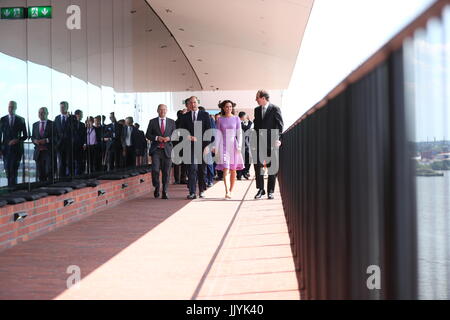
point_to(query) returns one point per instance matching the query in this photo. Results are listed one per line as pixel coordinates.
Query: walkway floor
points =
(156, 249)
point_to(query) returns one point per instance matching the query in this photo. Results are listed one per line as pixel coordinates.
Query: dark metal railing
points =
(348, 184)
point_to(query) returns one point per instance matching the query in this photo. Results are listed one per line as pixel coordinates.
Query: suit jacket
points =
(272, 120)
(246, 127)
(188, 124)
(114, 132)
(79, 134)
(17, 131)
(134, 136)
(154, 130)
(63, 137)
(36, 135)
(142, 142)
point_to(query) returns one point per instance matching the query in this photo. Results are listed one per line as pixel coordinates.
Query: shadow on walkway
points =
(38, 269)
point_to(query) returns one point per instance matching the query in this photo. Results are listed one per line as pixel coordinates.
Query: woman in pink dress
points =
(228, 145)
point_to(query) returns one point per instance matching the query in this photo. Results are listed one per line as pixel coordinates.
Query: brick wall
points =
(49, 213)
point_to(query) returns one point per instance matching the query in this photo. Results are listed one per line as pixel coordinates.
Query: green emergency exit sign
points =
(13, 13)
(39, 12)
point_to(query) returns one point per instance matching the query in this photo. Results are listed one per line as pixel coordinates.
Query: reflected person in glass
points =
(42, 138)
(13, 133)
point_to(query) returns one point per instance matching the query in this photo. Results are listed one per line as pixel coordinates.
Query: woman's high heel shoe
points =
(227, 196)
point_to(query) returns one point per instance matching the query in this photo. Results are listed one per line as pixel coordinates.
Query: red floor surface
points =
(161, 249)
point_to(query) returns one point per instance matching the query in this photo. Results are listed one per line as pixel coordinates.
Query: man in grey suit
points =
(42, 137)
(159, 131)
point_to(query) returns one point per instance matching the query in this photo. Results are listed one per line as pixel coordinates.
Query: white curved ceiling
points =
(237, 44)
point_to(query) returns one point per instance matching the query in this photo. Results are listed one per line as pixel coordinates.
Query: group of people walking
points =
(227, 146)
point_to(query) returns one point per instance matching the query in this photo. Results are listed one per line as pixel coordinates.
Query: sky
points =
(342, 34)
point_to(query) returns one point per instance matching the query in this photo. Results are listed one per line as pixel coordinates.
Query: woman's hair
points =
(222, 105)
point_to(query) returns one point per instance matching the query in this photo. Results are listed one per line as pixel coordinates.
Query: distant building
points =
(426, 155)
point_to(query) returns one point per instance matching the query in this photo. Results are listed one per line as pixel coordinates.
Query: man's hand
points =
(193, 139)
(124, 152)
(278, 143)
(166, 139)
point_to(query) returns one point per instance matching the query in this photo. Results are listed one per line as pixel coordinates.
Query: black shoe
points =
(156, 193)
(247, 176)
(192, 196)
(270, 196)
(260, 193)
(176, 182)
(201, 195)
(164, 195)
(239, 178)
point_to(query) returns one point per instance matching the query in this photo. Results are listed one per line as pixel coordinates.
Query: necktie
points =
(63, 120)
(162, 126)
(41, 129)
(161, 145)
(193, 117)
(11, 121)
(263, 112)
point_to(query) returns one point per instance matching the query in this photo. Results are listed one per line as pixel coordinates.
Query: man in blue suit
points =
(196, 171)
(13, 132)
(63, 126)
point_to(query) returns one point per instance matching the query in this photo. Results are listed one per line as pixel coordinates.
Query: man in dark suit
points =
(130, 140)
(113, 139)
(63, 127)
(159, 132)
(13, 133)
(99, 134)
(79, 140)
(42, 138)
(196, 170)
(246, 125)
(267, 120)
(179, 170)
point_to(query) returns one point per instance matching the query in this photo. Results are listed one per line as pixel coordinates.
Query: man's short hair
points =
(78, 111)
(201, 108)
(241, 114)
(160, 105)
(263, 94)
(130, 119)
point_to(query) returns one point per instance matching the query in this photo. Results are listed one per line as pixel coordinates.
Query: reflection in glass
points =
(12, 88)
(427, 85)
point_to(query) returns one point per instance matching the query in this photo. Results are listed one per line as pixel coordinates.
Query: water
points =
(433, 221)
